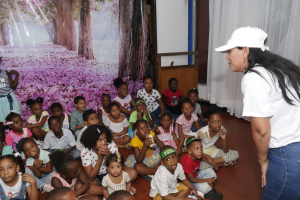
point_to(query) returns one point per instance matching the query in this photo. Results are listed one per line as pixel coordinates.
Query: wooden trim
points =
(179, 53)
(177, 67)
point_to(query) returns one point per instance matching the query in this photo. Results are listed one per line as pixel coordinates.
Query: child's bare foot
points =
(124, 146)
(132, 190)
(229, 164)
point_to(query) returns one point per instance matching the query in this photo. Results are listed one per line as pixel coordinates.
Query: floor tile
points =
(226, 194)
(256, 194)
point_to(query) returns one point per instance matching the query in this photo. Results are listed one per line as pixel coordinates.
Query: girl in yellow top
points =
(145, 159)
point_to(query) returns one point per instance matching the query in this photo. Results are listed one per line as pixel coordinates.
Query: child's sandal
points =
(132, 190)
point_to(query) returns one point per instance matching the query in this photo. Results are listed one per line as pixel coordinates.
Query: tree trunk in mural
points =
(59, 22)
(85, 33)
(133, 55)
(54, 31)
(3, 40)
(71, 43)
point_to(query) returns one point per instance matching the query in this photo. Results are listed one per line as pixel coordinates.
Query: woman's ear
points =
(246, 51)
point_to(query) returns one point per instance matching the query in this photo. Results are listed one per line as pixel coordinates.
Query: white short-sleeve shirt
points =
(89, 157)
(164, 182)
(263, 98)
(65, 142)
(150, 99)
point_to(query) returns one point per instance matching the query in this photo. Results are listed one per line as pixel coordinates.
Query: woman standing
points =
(271, 89)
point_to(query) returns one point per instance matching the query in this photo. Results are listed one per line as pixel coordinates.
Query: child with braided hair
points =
(116, 179)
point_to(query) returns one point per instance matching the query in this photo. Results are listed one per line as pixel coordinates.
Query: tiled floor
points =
(242, 181)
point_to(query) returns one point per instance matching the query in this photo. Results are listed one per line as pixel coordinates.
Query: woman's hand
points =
(28, 178)
(264, 168)
(222, 134)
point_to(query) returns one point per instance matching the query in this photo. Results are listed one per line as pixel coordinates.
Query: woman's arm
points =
(85, 183)
(161, 104)
(100, 116)
(261, 133)
(40, 124)
(13, 83)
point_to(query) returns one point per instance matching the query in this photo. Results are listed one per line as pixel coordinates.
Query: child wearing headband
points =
(164, 183)
(116, 179)
(140, 113)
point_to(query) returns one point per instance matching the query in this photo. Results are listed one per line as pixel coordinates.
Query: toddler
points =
(153, 100)
(118, 124)
(123, 98)
(14, 185)
(166, 133)
(104, 111)
(38, 122)
(144, 159)
(38, 163)
(17, 131)
(184, 123)
(202, 180)
(116, 179)
(69, 174)
(60, 139)
(164, 183)
(172, 98)
(77, 122)
(57, 110)
(98, 145)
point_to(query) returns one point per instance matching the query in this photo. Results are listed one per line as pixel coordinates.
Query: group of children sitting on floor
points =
(158, 130)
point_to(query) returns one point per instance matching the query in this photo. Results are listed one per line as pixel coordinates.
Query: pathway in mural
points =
(58, 75)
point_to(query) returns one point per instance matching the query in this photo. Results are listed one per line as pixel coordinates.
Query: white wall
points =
(172, 30)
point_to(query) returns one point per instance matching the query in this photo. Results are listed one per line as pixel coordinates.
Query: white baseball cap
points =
(246, 37)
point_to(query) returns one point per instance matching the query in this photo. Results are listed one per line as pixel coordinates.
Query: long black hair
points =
(286, 72)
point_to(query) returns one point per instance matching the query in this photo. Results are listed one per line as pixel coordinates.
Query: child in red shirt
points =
(202, 180)
(172, 98)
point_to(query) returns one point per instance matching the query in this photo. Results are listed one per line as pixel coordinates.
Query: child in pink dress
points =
(185, 121)
(17, 131)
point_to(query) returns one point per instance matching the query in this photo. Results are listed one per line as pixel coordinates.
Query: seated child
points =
(57, 110)
(104, 111)
(69, 174)
(90, 118)
(16, 130)
(140, 113)
(164, 183)
(61, 193)
(116, 179)
(118, 125)
(144, 159)
(60, 139)
(153, 100)
(203, 180)
(38, 163)
(172, 98)
(184, 123)
(166, 133)
(16, 185)
(38, 122)
(98, 145)
(121, 194)
(4, 149)
(209, 136)
(123, 98)
(77, 122)
(193, 96)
